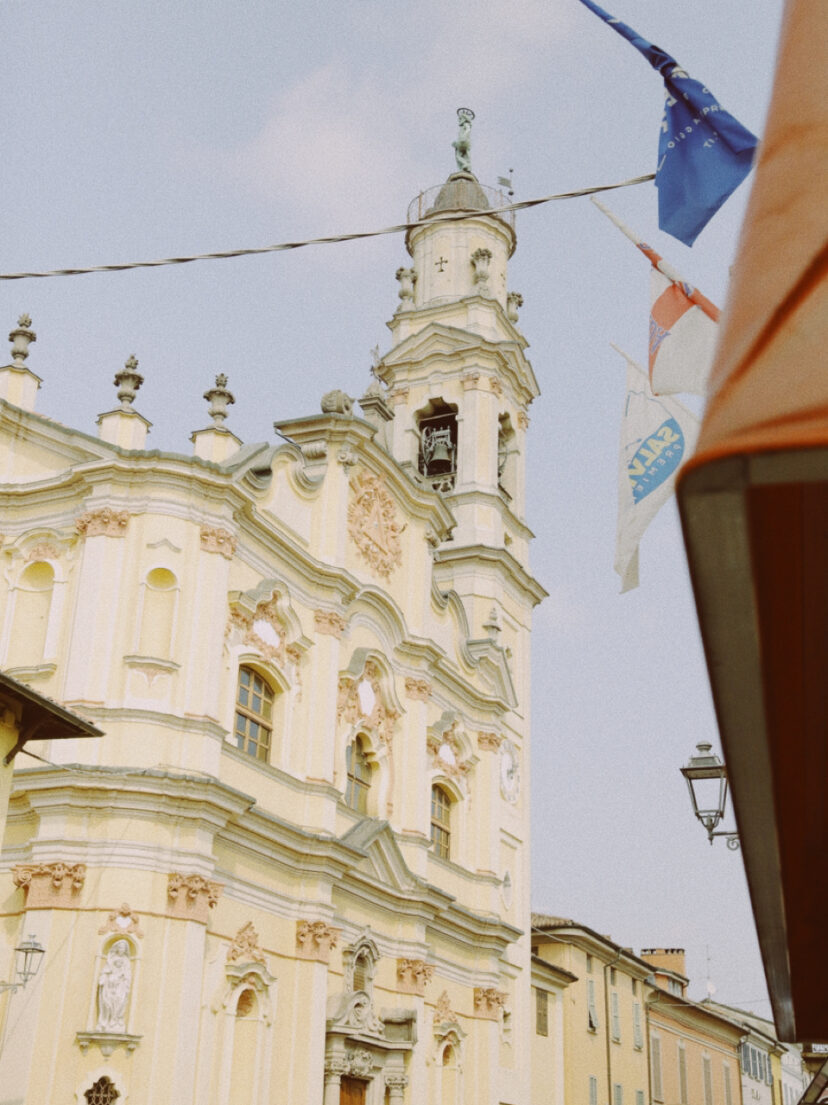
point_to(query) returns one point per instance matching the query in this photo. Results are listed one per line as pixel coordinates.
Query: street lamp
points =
(27, 958)
(706, 777)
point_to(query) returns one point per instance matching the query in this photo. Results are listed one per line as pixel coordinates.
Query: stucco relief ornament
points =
(362, 698)
(373, 524)
(215, 539)
(114, 984)
(43, 552)
(262, 630)
(361, 1062)
(443, 1012)
(245, 947)
(122, 920)
(105, 522)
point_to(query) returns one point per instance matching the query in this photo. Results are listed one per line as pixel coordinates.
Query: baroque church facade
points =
(295, 867)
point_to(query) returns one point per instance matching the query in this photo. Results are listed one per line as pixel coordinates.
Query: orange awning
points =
(754, 507)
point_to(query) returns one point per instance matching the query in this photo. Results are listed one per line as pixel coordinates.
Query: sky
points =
(141, 131)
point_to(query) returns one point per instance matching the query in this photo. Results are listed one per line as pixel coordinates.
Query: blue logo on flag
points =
(656, 459)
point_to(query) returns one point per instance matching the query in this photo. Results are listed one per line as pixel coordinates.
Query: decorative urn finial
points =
(21, 338)
(127, 381)
(219, 399)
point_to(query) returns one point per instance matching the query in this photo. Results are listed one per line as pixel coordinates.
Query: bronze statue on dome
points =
(462, 147)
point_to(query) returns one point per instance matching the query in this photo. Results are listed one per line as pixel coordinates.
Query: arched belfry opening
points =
(437, 429)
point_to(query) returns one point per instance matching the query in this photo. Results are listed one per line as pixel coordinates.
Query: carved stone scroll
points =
(50, 885)
(413, 976)
(489, 742)
(488, 1002)
(191, 897)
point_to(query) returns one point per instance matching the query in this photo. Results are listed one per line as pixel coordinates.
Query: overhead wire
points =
(222, 255)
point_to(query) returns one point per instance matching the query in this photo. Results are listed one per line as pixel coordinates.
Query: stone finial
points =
(219, 399)
(514, 301)
(492, 625)
(21, 338)
(337, 402)
(407, 279)
(481, 259)
(127, 381)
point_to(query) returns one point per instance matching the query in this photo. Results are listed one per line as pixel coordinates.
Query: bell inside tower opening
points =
(437, 461)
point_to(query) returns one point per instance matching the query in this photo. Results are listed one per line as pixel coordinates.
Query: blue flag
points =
(704, 154)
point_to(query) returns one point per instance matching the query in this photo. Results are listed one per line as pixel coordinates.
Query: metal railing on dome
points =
(421, 206)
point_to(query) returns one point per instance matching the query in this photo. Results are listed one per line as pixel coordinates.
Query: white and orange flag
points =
(684, 325)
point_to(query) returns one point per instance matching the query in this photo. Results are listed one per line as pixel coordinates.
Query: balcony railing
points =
(422, 206)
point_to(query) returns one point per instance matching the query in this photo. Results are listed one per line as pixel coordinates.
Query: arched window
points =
(359, 776)
(437, 460)
(254, 714)
(440, 822)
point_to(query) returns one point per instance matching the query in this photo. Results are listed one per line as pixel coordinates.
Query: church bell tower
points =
(456, 372)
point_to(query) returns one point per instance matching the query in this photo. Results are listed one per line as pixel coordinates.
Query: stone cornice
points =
(351, 432)
(511, 571)
(149, 790)
(504, 359)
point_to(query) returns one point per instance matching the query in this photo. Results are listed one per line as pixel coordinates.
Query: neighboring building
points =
(694, 1049)
(605, 1041)
(770, 1070)
(548, 1053)
(296, 866)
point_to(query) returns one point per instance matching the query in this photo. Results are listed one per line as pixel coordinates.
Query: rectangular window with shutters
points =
(708, 1080)
(592, 1010)
(728, 1091)
(593, 1090)
(682, 1069)
(541, 1012)
(638, 1035)
(655, 1068)
(615, 1017)
(639, 1097)
(617, 1094)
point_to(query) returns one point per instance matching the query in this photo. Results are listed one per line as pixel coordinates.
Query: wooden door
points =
(351, 1091)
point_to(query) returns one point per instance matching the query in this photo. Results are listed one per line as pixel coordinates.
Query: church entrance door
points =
(351, 1091)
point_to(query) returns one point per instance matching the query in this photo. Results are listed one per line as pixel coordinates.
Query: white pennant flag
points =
(657, 435)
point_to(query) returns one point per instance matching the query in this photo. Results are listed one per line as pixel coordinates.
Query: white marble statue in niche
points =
(114, 984)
